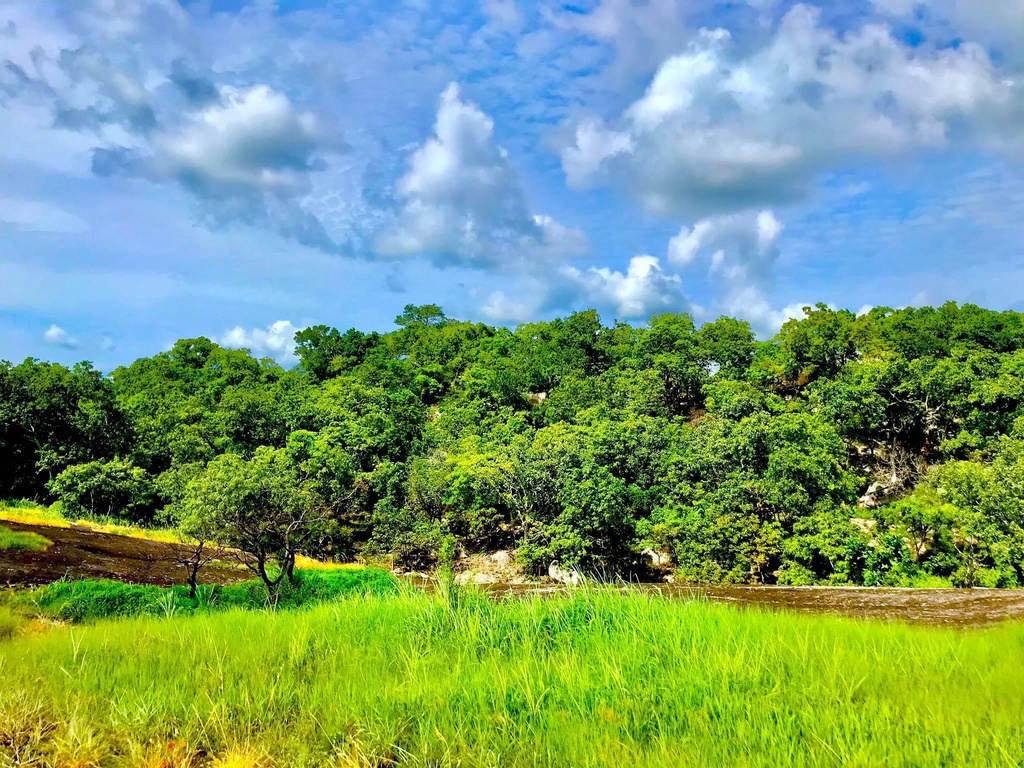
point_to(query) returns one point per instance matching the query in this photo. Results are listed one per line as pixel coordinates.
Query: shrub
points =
(115, 488)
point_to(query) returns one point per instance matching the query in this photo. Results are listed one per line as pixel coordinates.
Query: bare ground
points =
(81, 553)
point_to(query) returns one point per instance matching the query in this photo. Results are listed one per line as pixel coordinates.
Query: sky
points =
(240, 170)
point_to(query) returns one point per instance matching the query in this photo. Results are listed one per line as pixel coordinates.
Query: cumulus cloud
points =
(642, 290)
(276, 340)
(119, 74)
(252, 140)
(58, 337)
(643, 32)
(995, 22)
(462, 202)
(723, 127)
(739, 252)
(248, 156)
(740, 248)
(100, 93)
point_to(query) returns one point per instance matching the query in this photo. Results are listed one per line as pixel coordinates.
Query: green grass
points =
(593, 679)
(19, 540)
(89, 600)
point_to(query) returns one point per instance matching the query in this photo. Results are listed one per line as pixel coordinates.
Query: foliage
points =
(567, 441)
(260, 507)
(105, 488)
(90, 600)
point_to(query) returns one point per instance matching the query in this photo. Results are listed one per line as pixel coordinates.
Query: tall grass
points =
(92, 599)
(592, 679)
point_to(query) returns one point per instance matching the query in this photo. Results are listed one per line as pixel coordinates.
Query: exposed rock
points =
(865, 525)
(492, 568)
(502, 558)
(563, 576)
(877, 495)
(657, 559)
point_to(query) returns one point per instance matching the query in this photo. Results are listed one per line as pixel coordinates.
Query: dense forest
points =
(881, 449)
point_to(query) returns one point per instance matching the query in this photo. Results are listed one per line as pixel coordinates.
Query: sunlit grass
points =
(591, 679)
(22, 541)
(51, 516)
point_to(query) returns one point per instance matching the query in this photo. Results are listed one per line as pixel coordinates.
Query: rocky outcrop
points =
(562, 575)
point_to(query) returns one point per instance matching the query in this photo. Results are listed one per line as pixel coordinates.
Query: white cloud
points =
(39, 216)
(723, 127)
(594, 144)
(741, 248)
(504, 14)
(501, 308)
(996, 22)
(645, 289)
(643, 32)
(58, 337)
(749, 303)
(739, 252)
(276, 340)
(462, 201)
(253, 139)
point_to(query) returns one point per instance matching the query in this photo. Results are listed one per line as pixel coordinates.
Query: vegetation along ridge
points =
(880, 449)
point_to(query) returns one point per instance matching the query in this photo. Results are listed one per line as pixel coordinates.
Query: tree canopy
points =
(886, 448)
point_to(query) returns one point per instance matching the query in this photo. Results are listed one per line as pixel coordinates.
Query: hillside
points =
(882, 449)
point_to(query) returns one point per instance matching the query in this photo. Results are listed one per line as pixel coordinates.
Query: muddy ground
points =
(81, 553)
(964, 608)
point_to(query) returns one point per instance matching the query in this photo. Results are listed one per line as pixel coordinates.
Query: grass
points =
(454, 679)
(20, 540)
(91, 600)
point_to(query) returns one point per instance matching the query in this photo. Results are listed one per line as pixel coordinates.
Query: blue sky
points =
(240, 170)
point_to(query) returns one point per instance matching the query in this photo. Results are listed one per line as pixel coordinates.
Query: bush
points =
(115, 488)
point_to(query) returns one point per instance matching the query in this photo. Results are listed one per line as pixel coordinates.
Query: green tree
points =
(260, 507)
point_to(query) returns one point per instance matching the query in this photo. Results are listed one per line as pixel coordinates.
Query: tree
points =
(325, 352)
(260, 507)
(428, 314)
(727, 344)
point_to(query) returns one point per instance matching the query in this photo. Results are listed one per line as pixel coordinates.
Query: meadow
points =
(593, 678)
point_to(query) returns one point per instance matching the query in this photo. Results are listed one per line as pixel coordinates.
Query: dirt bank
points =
(80, 553)
(943, 607)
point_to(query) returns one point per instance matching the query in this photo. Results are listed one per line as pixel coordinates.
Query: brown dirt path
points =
(78, 552)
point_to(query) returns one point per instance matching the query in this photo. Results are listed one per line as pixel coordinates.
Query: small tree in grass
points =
(260, 507)
(197, 550)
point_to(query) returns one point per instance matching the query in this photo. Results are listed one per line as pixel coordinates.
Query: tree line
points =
(886, 448)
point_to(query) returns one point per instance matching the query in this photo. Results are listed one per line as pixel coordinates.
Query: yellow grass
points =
(51, 517)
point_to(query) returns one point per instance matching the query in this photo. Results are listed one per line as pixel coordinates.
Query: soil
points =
(79, 552)
(965, 608)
